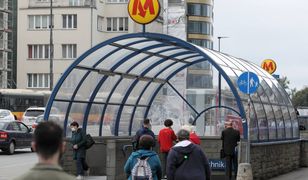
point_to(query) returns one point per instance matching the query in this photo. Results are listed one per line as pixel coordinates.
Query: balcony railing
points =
(63, 3)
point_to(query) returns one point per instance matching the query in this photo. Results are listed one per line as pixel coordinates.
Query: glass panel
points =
(287, 120)
(280, 122)
(155, 50)
(175, 51)
(144, 65)
(275, 94)
(105, 89)
(131, 62)
(97, 55)
(170, 70)
(262, 122)
(125, 120)
(212, 56)
(144, 44)
(77, 112)
(58, 110)
(136, 92)
(137, 119)
(283, 93)
(109, 120)
(158, 68)
(70, 84)
(120, 91)
(148, 93)
(94, 119)
(253, 124)
(294, 122)
(89, 84)
(271, 122)
(195, 59)
(129, 40)
(111, 60)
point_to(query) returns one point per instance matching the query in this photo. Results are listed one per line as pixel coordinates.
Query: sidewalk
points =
(299, 174)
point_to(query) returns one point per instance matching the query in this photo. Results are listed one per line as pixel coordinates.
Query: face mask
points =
(73, 129)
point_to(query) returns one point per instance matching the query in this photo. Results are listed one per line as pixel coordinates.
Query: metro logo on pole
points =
(269, 65)
(143, 11)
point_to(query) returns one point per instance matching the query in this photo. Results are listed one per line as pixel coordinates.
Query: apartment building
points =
(78, 25)
(8, 47)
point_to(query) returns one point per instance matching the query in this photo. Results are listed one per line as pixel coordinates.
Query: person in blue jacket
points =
(145, 144)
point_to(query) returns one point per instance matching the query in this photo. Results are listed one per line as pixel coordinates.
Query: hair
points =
(146, 121)
(48, 138)
(168, 123)
(146, 142)
(183, 135)
(74, 123)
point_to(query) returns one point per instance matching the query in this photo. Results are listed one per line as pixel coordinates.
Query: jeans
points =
(81, 166)
(164, 163)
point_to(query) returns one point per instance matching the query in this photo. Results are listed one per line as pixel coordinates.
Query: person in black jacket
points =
(187, 161)
(230, 137)
(145, 129)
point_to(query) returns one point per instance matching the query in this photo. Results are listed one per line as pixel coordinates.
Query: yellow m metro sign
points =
(269, 65)
(143, 11)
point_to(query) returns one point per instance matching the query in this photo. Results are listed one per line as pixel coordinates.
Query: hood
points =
(143, 153)
(184, 147)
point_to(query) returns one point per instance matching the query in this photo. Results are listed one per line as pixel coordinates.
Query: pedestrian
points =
(230, 138)
(193, 137)
(151, 167)
(166, 137)
(145, 129)
(187, 161)
(78, 140)
(49, 146)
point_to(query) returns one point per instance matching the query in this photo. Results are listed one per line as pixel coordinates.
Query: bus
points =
(18, 100)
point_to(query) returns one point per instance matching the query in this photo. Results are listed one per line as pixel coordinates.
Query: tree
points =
(300, 98)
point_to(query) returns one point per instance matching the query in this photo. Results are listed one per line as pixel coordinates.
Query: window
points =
(23, 128)
(199, 81)
(38, 51)
(202, 42)
(69, 51)
(117, 1)
(75, 2)
(40, 80)
(69, 21)
(200, 27)
(39, 21)
(199, 10)
(117, 24)
(100, 23)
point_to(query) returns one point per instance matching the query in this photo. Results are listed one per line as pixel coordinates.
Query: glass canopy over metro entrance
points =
(113, 86)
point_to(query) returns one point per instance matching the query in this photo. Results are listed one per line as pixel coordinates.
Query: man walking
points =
(230, 137)
(48, 144)
(187, 161)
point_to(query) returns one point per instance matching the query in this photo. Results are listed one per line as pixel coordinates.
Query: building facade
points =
(8, 30)
(78, 25)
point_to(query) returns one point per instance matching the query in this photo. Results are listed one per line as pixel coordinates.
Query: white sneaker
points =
(79, 177)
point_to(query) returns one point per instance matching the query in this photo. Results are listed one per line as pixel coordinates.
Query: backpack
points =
(89, 141)
(142, 170)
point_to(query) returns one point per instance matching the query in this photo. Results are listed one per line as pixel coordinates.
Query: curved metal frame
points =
(165, 40)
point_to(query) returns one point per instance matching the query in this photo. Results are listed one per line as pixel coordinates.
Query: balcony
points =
(62, 3)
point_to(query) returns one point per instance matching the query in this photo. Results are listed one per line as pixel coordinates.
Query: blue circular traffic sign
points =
(248, 82)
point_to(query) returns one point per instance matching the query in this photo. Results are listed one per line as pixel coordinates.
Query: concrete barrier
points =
(244, 172)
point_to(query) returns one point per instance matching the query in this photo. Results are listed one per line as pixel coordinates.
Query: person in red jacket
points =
(193, 137)
(166, 137)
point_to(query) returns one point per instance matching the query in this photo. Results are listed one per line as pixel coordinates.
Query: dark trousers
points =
(164, 163)
(230, 161)
(81, 166)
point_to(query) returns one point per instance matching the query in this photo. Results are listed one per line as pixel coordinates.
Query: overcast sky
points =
(261, 29)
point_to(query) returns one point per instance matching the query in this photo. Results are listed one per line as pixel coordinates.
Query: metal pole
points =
(51, 47)
(91, 23)
(219, 43)
(248, 133)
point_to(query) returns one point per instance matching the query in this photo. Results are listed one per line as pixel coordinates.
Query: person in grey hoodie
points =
(187, 161)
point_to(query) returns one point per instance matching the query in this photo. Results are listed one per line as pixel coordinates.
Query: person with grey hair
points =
(187, 161)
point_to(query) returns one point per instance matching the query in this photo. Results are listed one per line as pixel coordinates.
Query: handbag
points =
(89, 141)
(222, 154)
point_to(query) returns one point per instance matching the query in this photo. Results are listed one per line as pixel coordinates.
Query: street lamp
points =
(220, 37)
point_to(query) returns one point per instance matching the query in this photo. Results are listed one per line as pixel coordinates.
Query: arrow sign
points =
(248, 82)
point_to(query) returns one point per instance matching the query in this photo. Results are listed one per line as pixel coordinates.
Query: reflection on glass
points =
(262, 122)
(109, 120)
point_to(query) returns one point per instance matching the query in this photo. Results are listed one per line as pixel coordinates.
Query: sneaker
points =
(79, 177)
